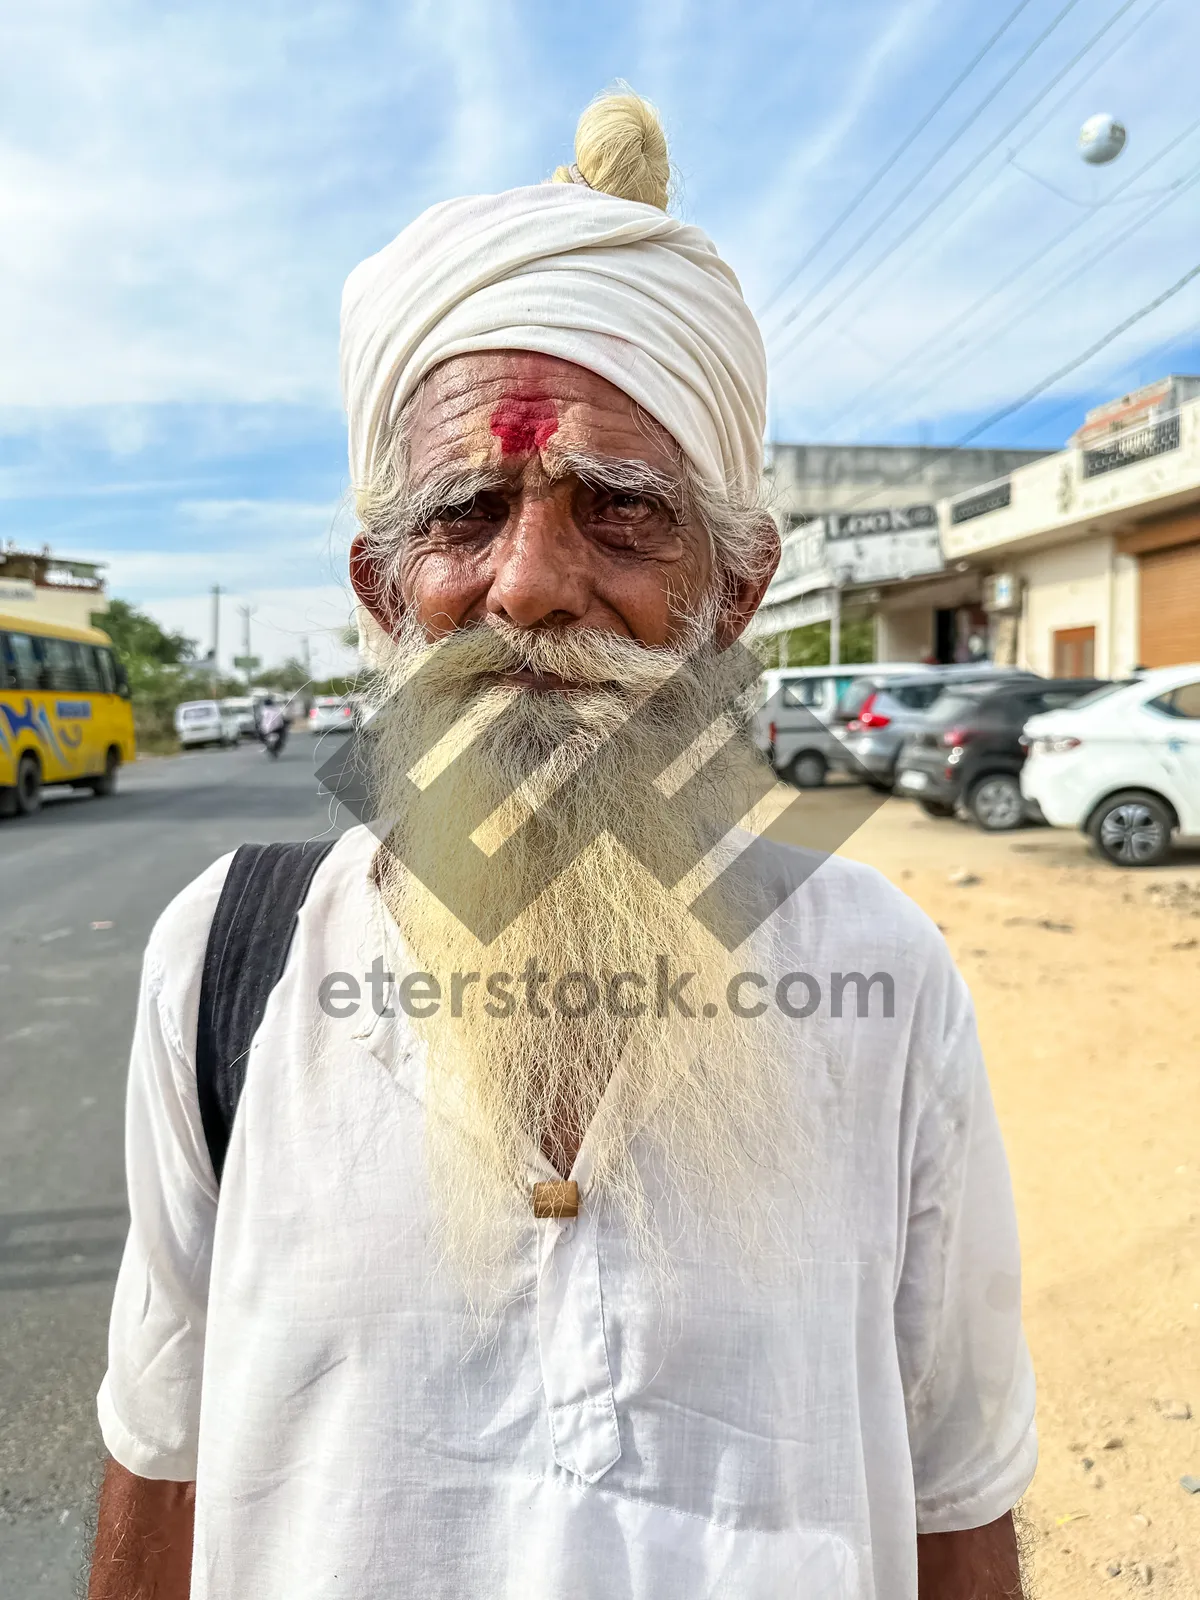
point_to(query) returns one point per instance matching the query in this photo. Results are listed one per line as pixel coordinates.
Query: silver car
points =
(332, 713)
(242, 707)
(793, 725)
(876, 714)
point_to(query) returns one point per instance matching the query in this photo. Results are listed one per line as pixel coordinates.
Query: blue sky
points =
(184, 187)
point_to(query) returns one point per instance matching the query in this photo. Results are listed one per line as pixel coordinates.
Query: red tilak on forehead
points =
(523, 425)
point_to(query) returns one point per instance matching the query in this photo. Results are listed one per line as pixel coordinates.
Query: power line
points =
(1078, 361)
(1146, 359)
(891, 161)
(1118, 45)
(1048, 382)
(952, 188)
(942, 150)
(1072, 272)
(1180, 186)
(1162, 349)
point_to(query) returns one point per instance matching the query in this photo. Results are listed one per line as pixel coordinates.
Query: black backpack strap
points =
(247, 950)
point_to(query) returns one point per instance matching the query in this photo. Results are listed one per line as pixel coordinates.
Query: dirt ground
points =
(1087, 984)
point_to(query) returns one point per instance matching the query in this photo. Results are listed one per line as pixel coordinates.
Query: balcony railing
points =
(992, 498)
(1136, 444)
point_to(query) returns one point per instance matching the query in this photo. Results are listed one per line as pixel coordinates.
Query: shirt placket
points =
(576, 1376)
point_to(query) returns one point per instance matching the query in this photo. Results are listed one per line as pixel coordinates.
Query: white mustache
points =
(584, 657)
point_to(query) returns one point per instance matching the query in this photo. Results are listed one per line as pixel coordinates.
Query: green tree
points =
(289, 676)
(137, 637)
(162, 670)
(339, 686)
(809, 647)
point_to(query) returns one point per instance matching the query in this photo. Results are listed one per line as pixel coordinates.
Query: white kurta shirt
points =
(750, 1431)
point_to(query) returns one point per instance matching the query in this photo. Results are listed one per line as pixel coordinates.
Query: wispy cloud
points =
(817, 149)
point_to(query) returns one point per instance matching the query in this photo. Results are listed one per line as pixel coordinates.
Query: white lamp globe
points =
(1101, 139)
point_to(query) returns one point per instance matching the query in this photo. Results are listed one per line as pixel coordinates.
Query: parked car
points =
(200, 722)
(792, 727)
(242, 707)
(969, 751)
(1122, 765)
(331, 714)
(877, 714)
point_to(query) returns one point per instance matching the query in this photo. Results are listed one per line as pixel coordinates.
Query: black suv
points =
(969, 750)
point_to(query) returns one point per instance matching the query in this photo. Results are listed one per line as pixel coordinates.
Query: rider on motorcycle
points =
(272, 725)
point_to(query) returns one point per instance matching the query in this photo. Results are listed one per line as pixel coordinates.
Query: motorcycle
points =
(274, 742)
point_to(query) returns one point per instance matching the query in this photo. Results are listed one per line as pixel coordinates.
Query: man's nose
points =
(540, 571)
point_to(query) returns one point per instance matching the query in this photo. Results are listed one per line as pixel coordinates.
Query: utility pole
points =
(247, 612)
(835, 626)
(216, 636)
(841, 577)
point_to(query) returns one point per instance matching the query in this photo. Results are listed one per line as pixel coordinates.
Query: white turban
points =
(613, 285)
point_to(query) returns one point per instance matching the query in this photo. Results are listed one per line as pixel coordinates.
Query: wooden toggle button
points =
(556, 1199)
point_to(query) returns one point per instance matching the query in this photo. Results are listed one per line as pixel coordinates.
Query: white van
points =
(797, 706)
(200, 722)
(242, 707)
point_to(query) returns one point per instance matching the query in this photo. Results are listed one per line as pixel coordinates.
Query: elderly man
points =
(572, 1236)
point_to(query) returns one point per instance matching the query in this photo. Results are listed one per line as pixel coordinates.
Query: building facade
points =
(1089, 559)
(860, 527)
(38, 584)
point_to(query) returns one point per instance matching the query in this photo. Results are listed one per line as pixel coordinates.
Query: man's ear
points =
(744, 595)
(379, 598)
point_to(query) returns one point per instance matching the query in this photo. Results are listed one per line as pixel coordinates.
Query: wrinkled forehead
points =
(502, 407)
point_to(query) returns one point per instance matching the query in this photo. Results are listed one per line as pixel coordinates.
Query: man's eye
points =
(479, 508)
(466, 512)
(627, 508)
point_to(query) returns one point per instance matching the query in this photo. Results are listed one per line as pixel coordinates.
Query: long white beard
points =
(702, 1100)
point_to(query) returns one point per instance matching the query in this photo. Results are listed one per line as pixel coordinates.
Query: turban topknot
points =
(610, 283)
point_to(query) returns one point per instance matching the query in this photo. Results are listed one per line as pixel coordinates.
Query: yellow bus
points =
(65, 715)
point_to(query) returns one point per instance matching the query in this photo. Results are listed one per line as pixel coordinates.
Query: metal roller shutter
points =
(1170, 605)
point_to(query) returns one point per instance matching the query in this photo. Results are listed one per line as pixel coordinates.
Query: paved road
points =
(80, 887)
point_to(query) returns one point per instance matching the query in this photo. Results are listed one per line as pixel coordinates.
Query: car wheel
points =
(29, 785)
(807, 771)
(996, 803)
(106, 783)
(936, 808)
(1132, 830)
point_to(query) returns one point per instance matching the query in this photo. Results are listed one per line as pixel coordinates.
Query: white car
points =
(1122, 764)
(200, 722)
(242, 707)
(331, 714)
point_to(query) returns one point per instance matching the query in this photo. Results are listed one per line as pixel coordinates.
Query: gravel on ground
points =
(1086, 980)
